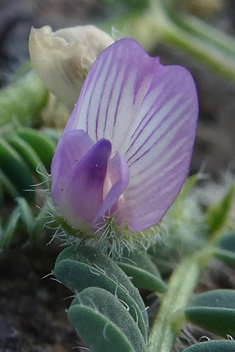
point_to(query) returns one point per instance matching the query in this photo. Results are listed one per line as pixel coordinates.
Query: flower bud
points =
(62, 58)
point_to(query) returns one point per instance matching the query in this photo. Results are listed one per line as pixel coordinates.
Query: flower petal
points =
(73, 145)
(149, 112)
(160, 146)
(113, 92)
(83, 194)
(118, 173)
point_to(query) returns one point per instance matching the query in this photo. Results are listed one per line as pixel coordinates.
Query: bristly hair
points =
(112, 239)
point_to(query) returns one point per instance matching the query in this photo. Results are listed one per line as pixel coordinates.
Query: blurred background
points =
(32, 317)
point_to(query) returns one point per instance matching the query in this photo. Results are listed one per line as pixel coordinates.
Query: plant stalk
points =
(160, 24)
(181, 287)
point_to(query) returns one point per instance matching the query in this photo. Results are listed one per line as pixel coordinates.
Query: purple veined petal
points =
(83, 194)
(73, 145)
(118, 174)
(149, 113)
(160, 146)
(113, 92)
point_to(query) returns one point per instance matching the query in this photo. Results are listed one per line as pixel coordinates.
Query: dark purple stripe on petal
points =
(162, 196)
(92, 93)
(113, 92)
(112, 97)
(158, 139)
(103, 92)
(170, 169)
(155, 105)
(162, 99)
(160, 148)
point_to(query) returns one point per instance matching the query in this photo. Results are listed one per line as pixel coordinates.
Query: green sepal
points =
(214, 311)
(225, 248)
(79, 267)
(109, 307)
(16, 170)
(190, 182)
(43, 146)
(143, 272)
(212, 346)
(217, 214)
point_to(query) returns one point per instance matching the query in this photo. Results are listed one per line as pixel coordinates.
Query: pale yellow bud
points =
(62, 58)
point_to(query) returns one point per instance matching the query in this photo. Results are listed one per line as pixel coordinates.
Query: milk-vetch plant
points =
(118, 167)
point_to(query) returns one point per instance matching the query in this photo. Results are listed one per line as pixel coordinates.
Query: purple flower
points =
(127, 146)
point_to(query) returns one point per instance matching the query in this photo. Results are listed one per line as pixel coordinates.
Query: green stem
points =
(159, 24)
(204, 31)
(215, 58)
(196, 27)
(200, 44)
(181, 287)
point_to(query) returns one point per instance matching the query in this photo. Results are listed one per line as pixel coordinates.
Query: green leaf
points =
(212, 346)
(217, 214)
(97, 331)
(7, 233)
(26, 215)
(15, 169)
(226, 249)
(29, 156)
(227, 242)
(143, 272)
(52, 134)
(81, 266)
(23, 215)
(8, 186)
(43, 146)
(1, 194)
(214, 311)
(109, 307)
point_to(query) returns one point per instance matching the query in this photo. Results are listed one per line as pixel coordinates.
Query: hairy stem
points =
(181, 287)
